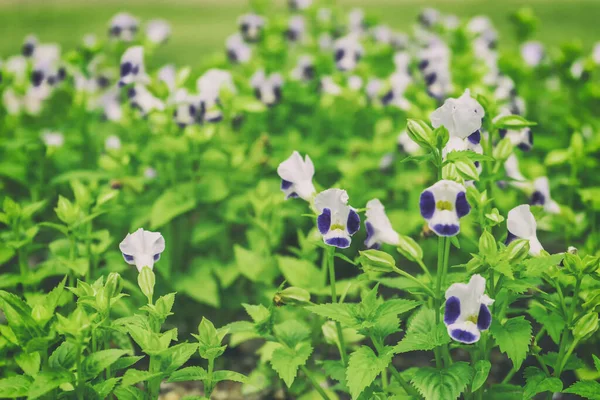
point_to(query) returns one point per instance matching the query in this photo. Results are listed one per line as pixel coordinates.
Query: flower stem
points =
(331, 256)
(209, 380)
(312, 380)
(561, 361)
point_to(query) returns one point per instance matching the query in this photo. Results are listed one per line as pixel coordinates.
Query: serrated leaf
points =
(47, 381)
(343, 313)
(133, 376)
(301, 273)
(422, 333)
(539, 382)
(103, 389)
(15, 386)
(97, 362)
(286, 361)
(291, 332)
(513, 337)
(586, 389)
(537, 266)
(129, 393)
(64, 356)
(175, 356)
(224, 375)
(189, 374)
(482, 370)
(504, 392)
(445, 384)
(363, 367)
(596, 362)
(125, 362)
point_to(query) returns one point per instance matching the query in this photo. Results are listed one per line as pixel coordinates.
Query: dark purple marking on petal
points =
(423, 64)
(430, 78)
(502, 133)
(156, 257)
(524, 146)
(452, 310)
(475, 137)
(446, 230)
(427, 204)
(127, 257)
(537, 199)
(285, 184)
(463, 336)
(232, 56)
(292, 195)
(126, 68)
(502, 184)
(370, 233)
(530, 137)
(339, 54)
(324, 221)
(387, 98)
(509, 238)
(462, 205)
(476, 163)
(484, 320)
(353, 223)
(340, 242)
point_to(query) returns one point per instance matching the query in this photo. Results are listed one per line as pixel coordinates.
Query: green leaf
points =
(189, 374)
(596, 362)
(251, 264)
(64, 356)
(129, 393)
(422, 333)
(173, 202)
(335, 311)
(539, 382)
(292, 332)
(125, 362)
(47, 381)
(103, 389)
(209, 340)
(97, 362)
(513, 337)
(363, 367)
(445, 384)
(15, 386)
(376, 261)
(199, 284)
(225, 375)
(504, 392)
(537, 266)
(18, 315)
(29, 362)
(512, 122)
(133, 376)
(174, 357)
(301, 273)
(586, 389)
(211, 190)
(482, 370)
(286, 361)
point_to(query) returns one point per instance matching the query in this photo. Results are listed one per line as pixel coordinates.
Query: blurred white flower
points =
(378, 226)
(355, 82)
(347, 52)
(462, 116)
(112, 143)
(158, 31)
(296, 177)
(521, 224)
(267, 88)
(132, 66)
(329, 86)
(53, 139)
(251, 26)
(541, 196)
(532, 53)
(237, 50)
(123, 26)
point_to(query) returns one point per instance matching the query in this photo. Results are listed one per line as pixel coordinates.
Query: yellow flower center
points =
(473, 319)
(339, 227)
(444, 205)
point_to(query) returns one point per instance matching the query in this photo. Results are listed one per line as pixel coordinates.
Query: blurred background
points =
(201, 26)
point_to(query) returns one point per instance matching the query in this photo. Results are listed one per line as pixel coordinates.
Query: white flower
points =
(337, 221)
(123, 26)
(46, 58)
(521, 138)
(429, 17)
(296, 28)
(324, 14)
(132, 66)
(237, 50)
(462, 117)
(168, 75)
(267, 88)
(511, 165)
(90, 41)
(356, 20)
(596, 53)
(329, 86)
(505, 87)
(296, 177)
(53, 139)
(532, 53)
(112, 106)
(406, 144)
(373, 88)
(467, 310)
(29, 45)
(399, 81)
(442, 205)
(577, 69)
(158, 31)
(521, 224)
(347, 52)
(251, 26)
(386, 162)
(17, 67)
(541, 196)
(304, 69)
(142, 248)
(382, 34)
(355, 82)
(401, 61)
(325, 41)
(112, 143)
(12, 103)
(146, 102)
(378, 226)
(214, 80)
(300, 4)
(150, 173)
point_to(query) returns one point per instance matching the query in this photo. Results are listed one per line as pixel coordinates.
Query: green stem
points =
(405, 385)
(209, 380)
(331, 256)
(79, 382)
(561, 361)
(424, 268)
(412, 278)
(312, 380)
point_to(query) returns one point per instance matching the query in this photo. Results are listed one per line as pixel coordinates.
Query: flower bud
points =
(572, 263)
(146, 281)
(517, 250)
(292, 295)
(590, 264)
(503, 150)
(487, 244)
(467, 169)
(420, 133)
(409, 248)
(586, 326)
(66, 211)
(377, 261)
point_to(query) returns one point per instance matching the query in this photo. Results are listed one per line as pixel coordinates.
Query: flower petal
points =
(464, 332)
(427, 204)
(462, 205)
(353, 223)
(521, 222)
(452, 310)
(324, 221)
(484, 319)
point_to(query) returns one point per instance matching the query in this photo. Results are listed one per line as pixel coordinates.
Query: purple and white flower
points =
(267, 88)
(142, 248)
(296, 29)
(29, 45)
(296, 177)
(347, 53)
(511, 166)
(142, 99)
(355, 83)
(132, 67)
(237, 50)
(158, 31)
(378, 226)
(541, 196)
(251, 26)
(329, 86)
(521, 138)
(521, 224)
(304, 70)
(467, 310)
(300, 4)
(462, 117)
(337, 221)
(442, 205)
(123, 26)
(210, 85)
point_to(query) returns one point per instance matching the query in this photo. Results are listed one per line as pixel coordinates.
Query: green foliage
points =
(446, 384)
(513, 337)
(364, 366)
(423, 333)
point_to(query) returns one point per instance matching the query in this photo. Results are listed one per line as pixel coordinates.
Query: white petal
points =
(521, 222)
(336, 200)
(446, 190)
(466, 326)
(383, 230)
(142, 246)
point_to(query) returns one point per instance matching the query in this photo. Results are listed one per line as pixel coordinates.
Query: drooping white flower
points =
(237, 50)
(407, 145)
(398, 81)
(482, 27)
(442, 205)
(112, 143)
(382, 34)
(111, 105)
(53, 139)
(337, 221)
(467, 310)
(462, 117)
(541, 196)
(521, 138)
(434, 64)
(511, 166)
(132, 66)
(267, 88)
(347, 52)
(577, 69)
(46, 59)
(158, 31)
(296, 29)
(123, 26)
(210, 86)
(402, 61)
(17, 67)
(141, 98)
(251, 26)
(304, 69)
(378, 226)
(532, 53)
(296, 177)
(429, 17)
(521, 224)
(168, 75)
(142, 248)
